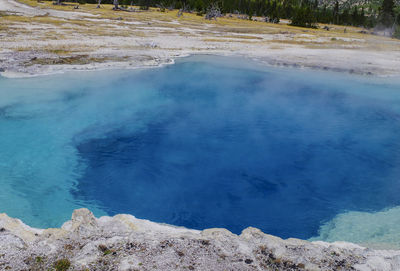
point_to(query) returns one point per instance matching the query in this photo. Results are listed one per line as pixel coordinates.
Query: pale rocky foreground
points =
(124, 242)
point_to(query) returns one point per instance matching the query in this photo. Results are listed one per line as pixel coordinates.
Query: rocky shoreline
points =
(124, 242)
(17, 69)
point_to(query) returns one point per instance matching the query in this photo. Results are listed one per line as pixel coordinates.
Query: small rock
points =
(180, 253)
(103, 248)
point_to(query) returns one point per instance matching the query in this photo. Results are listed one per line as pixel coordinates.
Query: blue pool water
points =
(207, 142)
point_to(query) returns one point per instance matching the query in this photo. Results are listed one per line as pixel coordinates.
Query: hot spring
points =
(207, 142)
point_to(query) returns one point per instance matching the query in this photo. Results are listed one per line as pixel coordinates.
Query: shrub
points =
(396, 33)
(304, 17)
(62, 265)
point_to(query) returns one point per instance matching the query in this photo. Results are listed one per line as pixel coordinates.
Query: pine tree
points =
(304, 17)
(386, 13)
(354, 17)
(315, 4)
(362, 17)
(336, 13)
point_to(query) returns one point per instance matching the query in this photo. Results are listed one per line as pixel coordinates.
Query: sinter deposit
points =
(124, 242)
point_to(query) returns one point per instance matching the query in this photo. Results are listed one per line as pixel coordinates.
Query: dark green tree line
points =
(304, 13)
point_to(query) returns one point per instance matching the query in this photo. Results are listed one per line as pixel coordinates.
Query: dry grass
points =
(4, 27)
(36, 19)
(72, 60)
(48, 4)
(164, 19)
(151, 23)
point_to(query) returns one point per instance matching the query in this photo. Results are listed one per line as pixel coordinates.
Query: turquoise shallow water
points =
(207, 142)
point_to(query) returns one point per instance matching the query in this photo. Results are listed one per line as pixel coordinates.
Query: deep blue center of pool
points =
(233, 148)
(202, 143)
